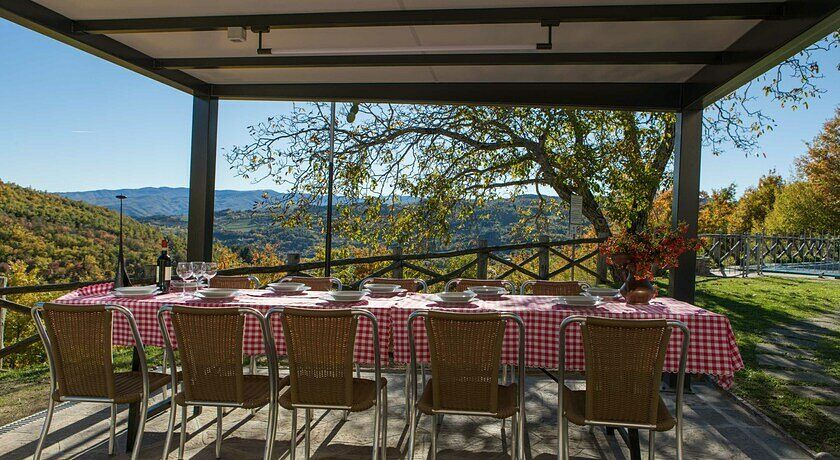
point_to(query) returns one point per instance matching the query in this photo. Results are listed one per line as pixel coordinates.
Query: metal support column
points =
(202, 178)
(330, 180)
(686, 203)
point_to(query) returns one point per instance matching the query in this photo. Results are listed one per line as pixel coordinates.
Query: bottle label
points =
(167, 274)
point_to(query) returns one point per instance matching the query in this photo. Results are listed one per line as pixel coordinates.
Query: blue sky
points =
(71, 121)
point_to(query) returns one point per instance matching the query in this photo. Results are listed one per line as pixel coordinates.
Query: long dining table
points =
(712, 351)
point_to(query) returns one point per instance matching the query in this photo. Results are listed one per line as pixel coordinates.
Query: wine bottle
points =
(163, 274)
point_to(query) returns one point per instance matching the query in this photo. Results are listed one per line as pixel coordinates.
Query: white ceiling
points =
(568, 37)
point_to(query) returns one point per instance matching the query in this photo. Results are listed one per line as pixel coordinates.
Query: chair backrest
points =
(78, 339)
(462, 284)
(316, 283)
(210, 348)
(624, 360)
(409, 284)
(540, 287)
(319, 344)
(232, 282)
(465, 351)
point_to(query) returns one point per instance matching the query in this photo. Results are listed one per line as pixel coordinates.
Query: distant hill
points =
(169, 201)
(69, 240)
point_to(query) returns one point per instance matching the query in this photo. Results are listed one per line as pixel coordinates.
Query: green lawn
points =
(756, 305)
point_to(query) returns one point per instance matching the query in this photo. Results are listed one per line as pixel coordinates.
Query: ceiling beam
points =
(46, 21)
(431, 17)
(446, 59)
(772, 42)
(619, 96)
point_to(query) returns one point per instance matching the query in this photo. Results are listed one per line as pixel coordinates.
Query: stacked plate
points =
(488, 291)
(456, 297)
(217, 294)
(382, 288)
(346, 296)
(605, 292)
(136, 292)
(581, 300)
(288, 287)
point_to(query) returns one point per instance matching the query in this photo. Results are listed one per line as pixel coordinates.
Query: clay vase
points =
(638, 292)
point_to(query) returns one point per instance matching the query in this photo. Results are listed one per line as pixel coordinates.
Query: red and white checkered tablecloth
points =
(712, 349)
(145, 314)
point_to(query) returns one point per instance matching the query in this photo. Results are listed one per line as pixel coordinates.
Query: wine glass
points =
(210, 270)
(185, 272)
(198, 272)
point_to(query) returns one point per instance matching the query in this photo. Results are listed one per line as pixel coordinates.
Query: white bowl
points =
(286, 287)
(218, 293)
(347, 296)
(488, 290)
(459, 297)
(580, 300)
(136, 289)
(602, 291)
(381, 288)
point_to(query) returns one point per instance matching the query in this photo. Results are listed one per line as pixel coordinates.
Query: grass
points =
(755, 306)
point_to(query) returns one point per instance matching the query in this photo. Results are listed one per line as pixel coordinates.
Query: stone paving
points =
(716, 427)
(787, 354)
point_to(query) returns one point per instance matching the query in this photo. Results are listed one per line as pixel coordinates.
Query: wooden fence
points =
(524, 260)
(744, 253)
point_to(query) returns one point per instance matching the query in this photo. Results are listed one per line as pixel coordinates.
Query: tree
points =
(716, 210)
(821, 164)
(756, 204)
(801, 209)
(452, 159)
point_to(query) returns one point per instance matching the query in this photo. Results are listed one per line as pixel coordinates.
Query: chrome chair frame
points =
(273, 380)
(144, 372)
(380, 420)
(511, 286)
(525, 284)
(334, 280)
(420, 282)
(517, 420)
(563, 424)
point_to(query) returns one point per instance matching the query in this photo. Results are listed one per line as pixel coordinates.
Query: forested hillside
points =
(67, 240)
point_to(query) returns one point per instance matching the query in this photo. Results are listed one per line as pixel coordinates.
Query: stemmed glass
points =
(198, 272)
(210, 270)
(185, 272)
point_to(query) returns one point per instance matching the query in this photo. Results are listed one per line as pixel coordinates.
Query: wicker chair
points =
(540, 287)
(210, 349)
(465, 351)
(624, 360)
(79, 351)
(320, 345)
(234, 282)
(315, 283)
(462, 284)
(409, 284)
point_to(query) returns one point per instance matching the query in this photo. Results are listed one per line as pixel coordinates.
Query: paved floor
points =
(716, 428)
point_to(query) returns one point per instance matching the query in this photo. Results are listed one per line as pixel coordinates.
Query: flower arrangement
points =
(638, 252)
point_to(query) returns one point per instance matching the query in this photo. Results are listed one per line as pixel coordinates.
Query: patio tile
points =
(812, 392)
(781, 361)
(777, 349)
(799, 376)
(832, 412)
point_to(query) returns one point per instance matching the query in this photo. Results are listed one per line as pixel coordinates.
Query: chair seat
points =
(129, 386)
(574, 403)
(364, 395)
(256, 389)
(506, 401)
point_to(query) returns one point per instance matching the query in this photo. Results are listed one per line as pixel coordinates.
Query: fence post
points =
(481, 258)
(543, 258)
(292, 260)
(397, 252)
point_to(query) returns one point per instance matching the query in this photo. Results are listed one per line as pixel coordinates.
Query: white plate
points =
(288, 291)
(140, 295)
(382, 288)
(136, 289)
(287, 287)
(488, 290)
(603, 292)
(456, 297)
(201, 296)
(218, 293)
(347, 296)
(581, 300)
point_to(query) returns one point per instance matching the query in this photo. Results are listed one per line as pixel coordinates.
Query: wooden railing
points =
(531, 261)
(745, 252)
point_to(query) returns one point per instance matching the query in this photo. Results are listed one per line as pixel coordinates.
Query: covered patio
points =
(675, 57)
